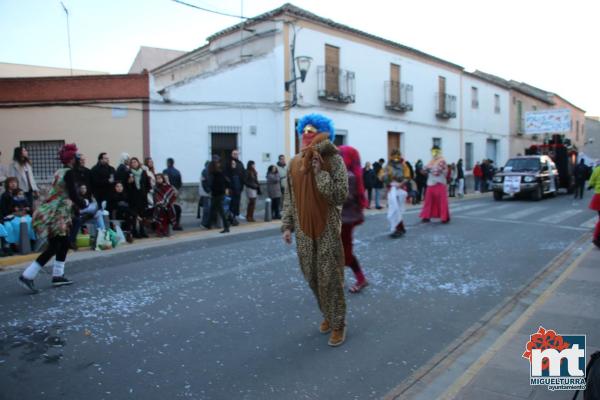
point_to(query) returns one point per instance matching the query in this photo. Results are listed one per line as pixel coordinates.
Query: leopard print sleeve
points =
(289, 208)
(334, 185)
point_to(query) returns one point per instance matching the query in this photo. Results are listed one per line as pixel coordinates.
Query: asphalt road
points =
(232, 318)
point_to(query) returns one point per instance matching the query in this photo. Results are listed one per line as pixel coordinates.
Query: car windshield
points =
(522, 164)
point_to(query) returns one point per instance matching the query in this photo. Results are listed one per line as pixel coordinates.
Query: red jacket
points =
(477, 171)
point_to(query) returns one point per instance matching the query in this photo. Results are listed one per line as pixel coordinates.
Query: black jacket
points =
(6, 205)
(376, 169)
(100, 185)
(369, 178)
(122, 174)
(237, 177)
(581, 172)
(218, 183)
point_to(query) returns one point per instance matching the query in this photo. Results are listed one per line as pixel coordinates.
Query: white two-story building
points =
(231, 93)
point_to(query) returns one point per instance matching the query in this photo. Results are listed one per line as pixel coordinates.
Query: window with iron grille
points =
(44, 159)
(436, 141)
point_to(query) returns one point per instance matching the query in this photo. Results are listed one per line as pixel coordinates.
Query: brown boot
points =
(250, 210)
(325, 327)
(337, 337)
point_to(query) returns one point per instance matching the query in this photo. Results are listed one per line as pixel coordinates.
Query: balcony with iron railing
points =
(335, 84)
(398, 96)
(445, 106)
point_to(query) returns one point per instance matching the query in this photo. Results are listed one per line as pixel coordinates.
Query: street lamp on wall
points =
(303, 63)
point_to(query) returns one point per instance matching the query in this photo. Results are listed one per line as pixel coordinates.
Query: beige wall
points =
(519, 142)
(94, 130)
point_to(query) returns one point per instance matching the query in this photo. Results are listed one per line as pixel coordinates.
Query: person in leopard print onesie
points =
(317, 188)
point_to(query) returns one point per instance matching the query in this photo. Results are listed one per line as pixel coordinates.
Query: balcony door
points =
(395, 83)
(442, 94)
(332, 68)
(394, 142)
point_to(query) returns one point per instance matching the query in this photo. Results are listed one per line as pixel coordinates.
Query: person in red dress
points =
(352, 212)
(436, 197)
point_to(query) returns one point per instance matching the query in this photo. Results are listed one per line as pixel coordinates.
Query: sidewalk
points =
(569, 306)
(192, 231)
(492, 368)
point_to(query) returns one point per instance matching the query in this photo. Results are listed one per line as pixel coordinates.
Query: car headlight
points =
(529, 179)
(497, 179)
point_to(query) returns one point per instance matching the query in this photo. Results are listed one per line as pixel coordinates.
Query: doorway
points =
(222, 144)
(394, 141)
(491, 149)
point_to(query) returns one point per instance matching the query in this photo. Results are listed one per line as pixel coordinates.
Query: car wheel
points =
(498, 196)
(537, 195)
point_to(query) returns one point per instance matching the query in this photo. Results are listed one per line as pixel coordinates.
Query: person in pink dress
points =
(436, 196)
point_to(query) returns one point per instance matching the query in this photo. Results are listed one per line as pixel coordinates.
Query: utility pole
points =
(68, 36)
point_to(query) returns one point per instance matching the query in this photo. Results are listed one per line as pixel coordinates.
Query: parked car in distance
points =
(533, 176)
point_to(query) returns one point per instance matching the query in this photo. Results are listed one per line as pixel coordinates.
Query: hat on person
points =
(316, 123)
(68, 153)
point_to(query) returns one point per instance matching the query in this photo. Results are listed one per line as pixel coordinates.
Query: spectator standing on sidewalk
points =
(274, 190)
(122, 172)
(594, 183)
(477, 177)
(252, 190)
(421, 179)
(369, 181)
(22, 170)
(219, 185)
(379, 177)
(352, 213)
(83, 173)
(319, 187)
(204, 197)
(451, 179)
(237, 176)
(52, 220)
(138, 186)
(102, 177)
(282, 169)
(581, 174)
(174, 179)
(149, 170)
(460, 178)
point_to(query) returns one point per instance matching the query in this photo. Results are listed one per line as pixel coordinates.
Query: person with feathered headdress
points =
(317, 189)
(52, 220)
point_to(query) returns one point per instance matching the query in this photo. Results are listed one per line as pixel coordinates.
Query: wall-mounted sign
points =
(547, 121)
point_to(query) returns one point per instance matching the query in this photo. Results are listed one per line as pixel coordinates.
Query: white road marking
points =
(559, 217)
(525, 212)
(491, 209)
(464, 207)
(590, 223)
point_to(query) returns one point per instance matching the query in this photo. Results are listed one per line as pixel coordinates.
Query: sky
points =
(551, 44)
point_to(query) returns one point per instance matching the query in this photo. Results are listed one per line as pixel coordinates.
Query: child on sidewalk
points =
(396, 206)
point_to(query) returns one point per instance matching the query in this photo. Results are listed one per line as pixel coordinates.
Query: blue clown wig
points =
(320, 122)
